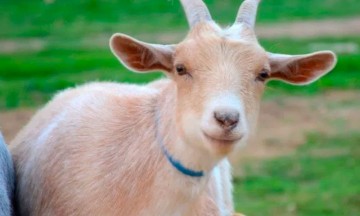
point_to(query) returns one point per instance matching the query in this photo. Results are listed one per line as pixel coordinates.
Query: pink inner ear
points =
(123, 46)
(302, 70)
(138, 56)
(130, 52)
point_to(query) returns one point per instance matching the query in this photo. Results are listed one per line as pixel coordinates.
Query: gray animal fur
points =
(7, 179)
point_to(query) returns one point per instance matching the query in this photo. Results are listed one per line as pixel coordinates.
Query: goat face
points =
(219, 74)
(218, 88)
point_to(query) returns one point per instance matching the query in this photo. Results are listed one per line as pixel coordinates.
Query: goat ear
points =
(140, 56)
(301, 69)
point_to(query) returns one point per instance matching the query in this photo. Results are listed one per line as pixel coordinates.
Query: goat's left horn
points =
(196, 11)
(247, 13)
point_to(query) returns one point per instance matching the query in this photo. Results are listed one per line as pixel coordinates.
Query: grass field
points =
(49, 45)
(46, 47)
(67, 18)
(320, 179)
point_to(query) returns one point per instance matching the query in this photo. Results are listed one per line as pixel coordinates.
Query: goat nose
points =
(227, 119)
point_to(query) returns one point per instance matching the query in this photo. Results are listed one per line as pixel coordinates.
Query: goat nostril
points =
(227, 119)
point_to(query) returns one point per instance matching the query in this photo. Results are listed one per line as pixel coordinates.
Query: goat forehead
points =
(212, 50)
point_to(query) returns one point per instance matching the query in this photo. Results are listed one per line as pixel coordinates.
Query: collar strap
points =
(175, 163)
(181, 168)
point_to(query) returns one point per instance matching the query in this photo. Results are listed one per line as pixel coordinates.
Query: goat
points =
(7, 180)
(158, 149)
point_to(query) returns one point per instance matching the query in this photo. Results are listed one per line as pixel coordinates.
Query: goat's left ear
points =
(140, 56)
(301, 69)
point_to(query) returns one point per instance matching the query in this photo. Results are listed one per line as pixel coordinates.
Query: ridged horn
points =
(196, 11)
(247, 13)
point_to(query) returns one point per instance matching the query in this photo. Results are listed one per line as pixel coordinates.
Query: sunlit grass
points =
(58, 44)
(67, 18)
(320, 179)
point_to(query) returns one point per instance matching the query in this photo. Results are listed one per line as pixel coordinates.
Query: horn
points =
(247, 13)
(196, 11)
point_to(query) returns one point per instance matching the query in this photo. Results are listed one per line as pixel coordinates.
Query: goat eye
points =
(263, 75)
(181, 70)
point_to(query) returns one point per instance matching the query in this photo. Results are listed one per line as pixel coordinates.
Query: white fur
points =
(226, 100)
(219, 191)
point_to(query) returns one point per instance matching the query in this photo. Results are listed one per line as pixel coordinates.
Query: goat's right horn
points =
(247, 13)
(196, 11)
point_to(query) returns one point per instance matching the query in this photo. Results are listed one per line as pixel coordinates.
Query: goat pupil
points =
(180, 69)
(264, 74)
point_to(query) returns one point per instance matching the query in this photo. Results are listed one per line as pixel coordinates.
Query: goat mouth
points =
(222, 141)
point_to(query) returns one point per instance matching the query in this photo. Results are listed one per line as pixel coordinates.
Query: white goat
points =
(159, 149)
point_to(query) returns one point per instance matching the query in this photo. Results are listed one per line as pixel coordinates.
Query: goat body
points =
(93, 151)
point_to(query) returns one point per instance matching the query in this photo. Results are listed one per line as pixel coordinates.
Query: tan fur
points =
(109, 147)
(96, 149)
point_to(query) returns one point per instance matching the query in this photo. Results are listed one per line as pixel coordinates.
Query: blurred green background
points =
(49, 45)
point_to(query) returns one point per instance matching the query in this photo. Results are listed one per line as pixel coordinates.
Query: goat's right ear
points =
(301, 69)
(140, 56)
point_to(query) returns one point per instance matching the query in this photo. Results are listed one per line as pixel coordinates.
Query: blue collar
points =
(181, 168)
(175, 163)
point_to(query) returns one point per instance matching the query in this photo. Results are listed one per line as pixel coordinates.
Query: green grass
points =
(321, 178)
(65, 43)
(67, 18)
